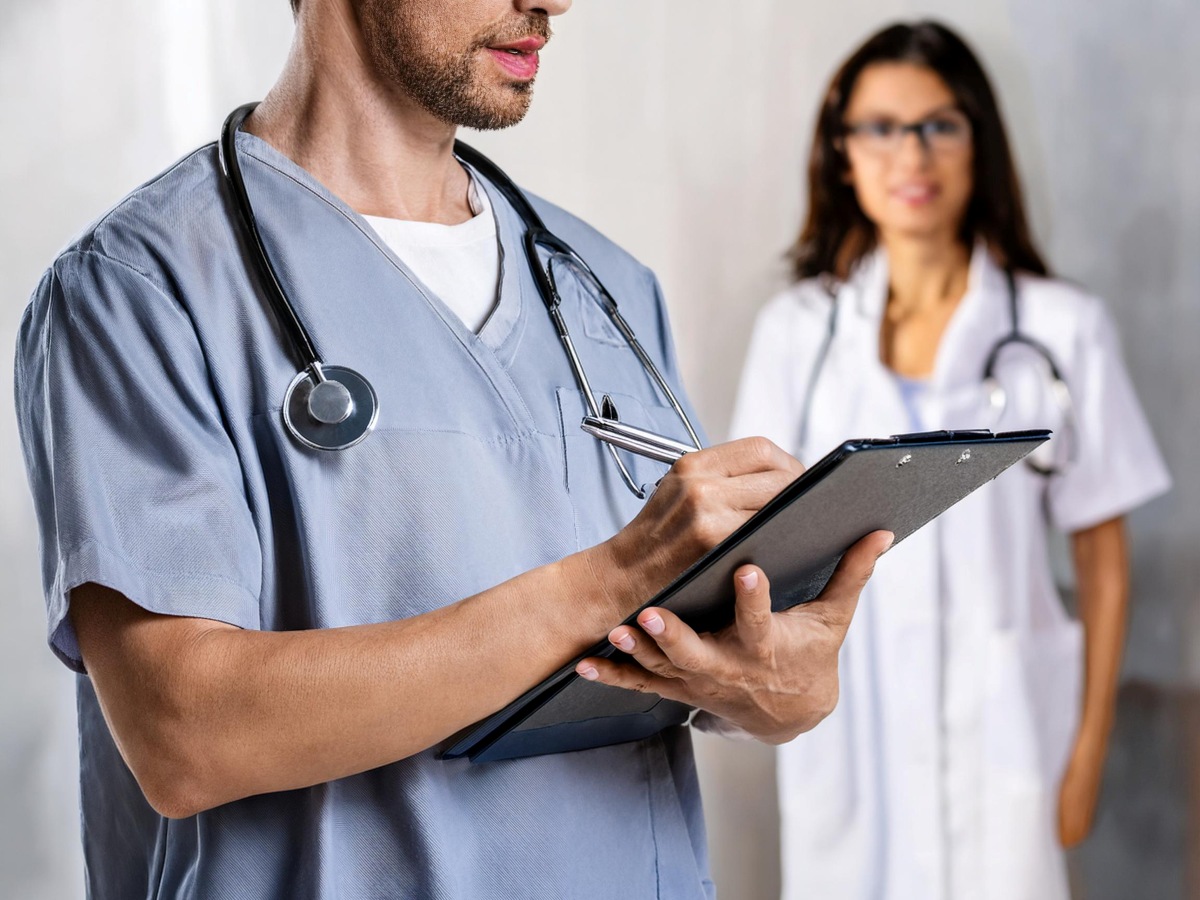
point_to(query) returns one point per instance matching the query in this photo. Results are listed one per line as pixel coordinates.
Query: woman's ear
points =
(847, 175)
(843, 161)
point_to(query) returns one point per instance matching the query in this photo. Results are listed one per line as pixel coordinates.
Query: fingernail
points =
(588, 672)
(748, 581)
(653, 624)
(888, 546)
(624, 642)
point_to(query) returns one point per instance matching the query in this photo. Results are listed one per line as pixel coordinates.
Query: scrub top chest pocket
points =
(585, 459)
(403, 523)
(627, 391)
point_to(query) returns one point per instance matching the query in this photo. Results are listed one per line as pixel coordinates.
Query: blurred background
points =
(679, 128)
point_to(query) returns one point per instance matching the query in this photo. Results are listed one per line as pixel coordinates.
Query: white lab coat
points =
(937, 776)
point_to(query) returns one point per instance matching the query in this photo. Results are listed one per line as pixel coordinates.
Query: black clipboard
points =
(897, 484)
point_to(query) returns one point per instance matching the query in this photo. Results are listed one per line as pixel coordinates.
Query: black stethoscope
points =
(334, 407)
(992, 386)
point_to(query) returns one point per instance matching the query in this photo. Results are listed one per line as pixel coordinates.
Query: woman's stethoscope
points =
(996, 393)
(333, 407)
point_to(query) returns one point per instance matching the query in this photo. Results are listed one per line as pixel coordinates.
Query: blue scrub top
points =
(150, 373)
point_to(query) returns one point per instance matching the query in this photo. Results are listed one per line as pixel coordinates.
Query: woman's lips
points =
(916, 194)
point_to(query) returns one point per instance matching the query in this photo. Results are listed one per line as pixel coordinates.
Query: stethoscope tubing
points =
(360, 407)
(996, 394)
(538, 235)
(302, 343)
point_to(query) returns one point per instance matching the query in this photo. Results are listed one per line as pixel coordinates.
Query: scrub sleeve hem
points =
(193, 595)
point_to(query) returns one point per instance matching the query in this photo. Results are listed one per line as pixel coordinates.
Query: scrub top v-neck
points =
(459, 264)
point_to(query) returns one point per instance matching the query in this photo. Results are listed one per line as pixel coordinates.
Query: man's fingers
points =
(644, 651)
(665, 646)
(665, 651)
(631, 677)
(836, 604)
(715, 506)
(752, 606)
(752, 492)
(741, 457)
(684, 649)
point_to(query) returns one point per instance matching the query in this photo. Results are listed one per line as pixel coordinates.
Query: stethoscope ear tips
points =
(331, 410)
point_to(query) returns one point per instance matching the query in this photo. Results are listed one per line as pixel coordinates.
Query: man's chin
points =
(497, 116)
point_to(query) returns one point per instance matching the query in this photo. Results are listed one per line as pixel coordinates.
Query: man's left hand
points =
(773, 675)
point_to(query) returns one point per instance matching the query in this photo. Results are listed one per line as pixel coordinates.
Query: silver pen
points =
(636, 440)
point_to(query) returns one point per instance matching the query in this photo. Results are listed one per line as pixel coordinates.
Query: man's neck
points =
(364, 139)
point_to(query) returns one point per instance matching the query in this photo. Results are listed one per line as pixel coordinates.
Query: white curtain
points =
(96, 96)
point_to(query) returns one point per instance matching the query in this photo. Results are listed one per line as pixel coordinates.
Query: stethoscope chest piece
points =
(330, 407)
(333, 408)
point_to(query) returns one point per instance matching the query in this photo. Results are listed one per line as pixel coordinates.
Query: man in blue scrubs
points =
(272, 640)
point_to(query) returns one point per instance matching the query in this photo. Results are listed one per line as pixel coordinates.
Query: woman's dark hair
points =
(838, 233)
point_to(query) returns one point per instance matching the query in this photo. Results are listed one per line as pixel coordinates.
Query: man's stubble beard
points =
(444, 83)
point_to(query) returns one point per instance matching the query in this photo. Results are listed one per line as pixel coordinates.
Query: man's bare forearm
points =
(206, 713)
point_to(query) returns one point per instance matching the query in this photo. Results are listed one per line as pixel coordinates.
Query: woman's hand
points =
(1101, 557)
(1079, 793)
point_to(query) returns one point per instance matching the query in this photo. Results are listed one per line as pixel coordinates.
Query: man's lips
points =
(531, 44)
(518, 58)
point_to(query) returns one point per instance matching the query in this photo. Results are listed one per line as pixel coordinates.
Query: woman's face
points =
(910, 152)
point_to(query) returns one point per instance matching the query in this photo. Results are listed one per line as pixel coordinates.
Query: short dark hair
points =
(295, 7)
(837, 233)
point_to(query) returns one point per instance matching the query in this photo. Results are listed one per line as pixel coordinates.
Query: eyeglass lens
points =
(943, 133)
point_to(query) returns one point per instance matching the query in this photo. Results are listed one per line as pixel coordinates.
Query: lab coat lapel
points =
(957, 400)
(896, 634)
(856, 396)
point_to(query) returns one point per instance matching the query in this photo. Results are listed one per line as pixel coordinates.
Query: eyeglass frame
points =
(918, 128)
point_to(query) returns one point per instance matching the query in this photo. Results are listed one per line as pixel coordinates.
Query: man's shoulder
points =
(600, 252)
(144, 228)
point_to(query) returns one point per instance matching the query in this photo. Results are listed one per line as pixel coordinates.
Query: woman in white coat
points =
(969, 740)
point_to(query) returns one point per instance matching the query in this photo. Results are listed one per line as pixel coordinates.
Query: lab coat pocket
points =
(1058, 689)
(1030, 717)
(1034, 686)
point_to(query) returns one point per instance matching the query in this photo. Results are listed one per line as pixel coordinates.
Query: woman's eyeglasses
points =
(944, 133)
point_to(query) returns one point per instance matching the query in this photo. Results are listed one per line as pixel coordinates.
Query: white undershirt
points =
(459, 263)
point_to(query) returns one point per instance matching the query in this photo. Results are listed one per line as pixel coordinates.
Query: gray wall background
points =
(678, 127)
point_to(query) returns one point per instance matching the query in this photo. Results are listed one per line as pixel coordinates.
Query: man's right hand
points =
(701, 501)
